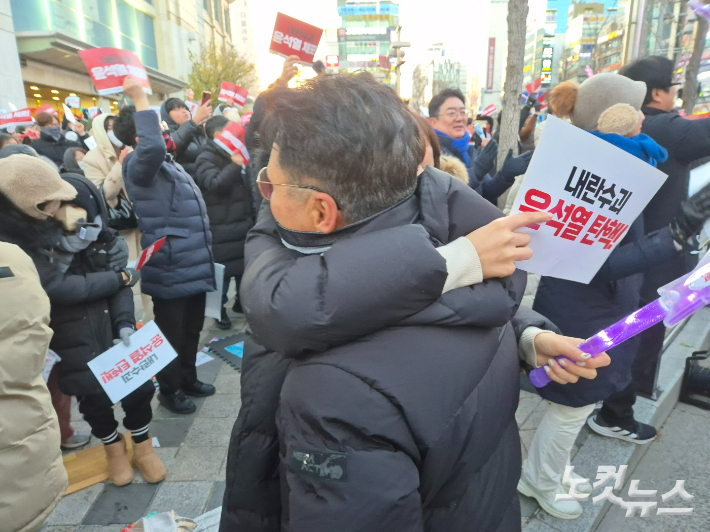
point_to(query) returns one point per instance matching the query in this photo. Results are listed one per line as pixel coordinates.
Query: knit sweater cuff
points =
(463, 266)
(526, 345)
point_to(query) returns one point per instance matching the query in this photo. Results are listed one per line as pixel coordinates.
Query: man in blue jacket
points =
(168, 204)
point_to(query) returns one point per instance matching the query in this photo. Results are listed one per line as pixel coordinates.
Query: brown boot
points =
(119, 468)
(147, 462)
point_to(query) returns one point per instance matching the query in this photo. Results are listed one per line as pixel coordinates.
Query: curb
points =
(597, 450)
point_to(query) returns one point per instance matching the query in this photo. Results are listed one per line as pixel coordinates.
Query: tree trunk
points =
(510, 120)
(690, 90)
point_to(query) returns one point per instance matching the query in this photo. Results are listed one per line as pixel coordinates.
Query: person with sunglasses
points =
(448, 116)
(392, 365)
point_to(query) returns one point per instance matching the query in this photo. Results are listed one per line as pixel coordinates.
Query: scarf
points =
(460, 145)
(641, 146)
(76, 242)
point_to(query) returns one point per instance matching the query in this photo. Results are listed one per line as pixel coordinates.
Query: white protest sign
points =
(122, 369)
(68, 114)
(594, 190)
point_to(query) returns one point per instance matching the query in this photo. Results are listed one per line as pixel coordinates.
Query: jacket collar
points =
(652, 111)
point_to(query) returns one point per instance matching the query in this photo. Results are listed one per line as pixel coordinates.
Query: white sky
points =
(462, 25)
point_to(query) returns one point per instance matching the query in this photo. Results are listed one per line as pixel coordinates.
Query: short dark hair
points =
(351, 135)
(438, 100)
(175, 103)
(319, 67)
(655, 71)
(430, 136)
(124, 128)
(215, 125)
(45, 119)
(5, 138)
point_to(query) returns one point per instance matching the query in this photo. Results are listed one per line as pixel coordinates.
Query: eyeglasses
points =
(453, 115)
(266, 187)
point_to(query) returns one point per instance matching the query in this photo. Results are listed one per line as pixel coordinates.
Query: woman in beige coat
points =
(102, 166)
(32, 478)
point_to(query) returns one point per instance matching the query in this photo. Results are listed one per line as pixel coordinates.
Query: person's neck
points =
(656, 105)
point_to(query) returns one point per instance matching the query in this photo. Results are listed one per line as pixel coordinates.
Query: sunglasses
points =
(266, 187)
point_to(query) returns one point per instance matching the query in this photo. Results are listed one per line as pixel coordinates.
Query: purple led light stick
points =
(678, 300)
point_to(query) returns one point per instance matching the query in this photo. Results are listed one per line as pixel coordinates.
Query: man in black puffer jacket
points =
(168, 204)
(397, 409)
(229, 207)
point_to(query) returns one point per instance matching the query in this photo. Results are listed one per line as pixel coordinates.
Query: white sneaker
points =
(558, 509)
(75, 441)
(582, 488)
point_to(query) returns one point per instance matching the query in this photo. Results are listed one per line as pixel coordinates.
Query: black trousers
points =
(181, 321)
(97, 410)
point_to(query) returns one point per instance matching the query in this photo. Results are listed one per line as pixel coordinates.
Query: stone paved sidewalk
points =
(194, 450)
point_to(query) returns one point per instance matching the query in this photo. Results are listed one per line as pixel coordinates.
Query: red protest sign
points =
(489, 110)
(533, 86)
(231, 140)
(108, 67)
(294, 37)
(149, 252)
(46, 108)
(23, 117)
(229, 92)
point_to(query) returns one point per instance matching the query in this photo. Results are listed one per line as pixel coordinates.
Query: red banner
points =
(533, 86)
(149, 252)
(489, 110)
(231, 93)
(108, 67)
(231, 140)
(294, 37)
(46, 108)
(23, 117)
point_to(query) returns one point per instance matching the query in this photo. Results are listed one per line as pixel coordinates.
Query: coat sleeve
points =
(493, 187)
(647, 252)
(121, 309)
(300, 302)
(142, 164)
(210, 178)
(183, 135)
(351, 468)
(526, 317)
(67, 289)
(687, 140)
(111, 183)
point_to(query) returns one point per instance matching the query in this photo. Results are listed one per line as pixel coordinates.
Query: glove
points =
(485, 160)
(515, 166)
(133, 276)
(125, 333)
(117, 254)
(691, 216)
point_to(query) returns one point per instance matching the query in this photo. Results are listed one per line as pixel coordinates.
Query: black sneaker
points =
(634, 432)
(199, 389)
(177, 403)
(237, 307)
(224, 323)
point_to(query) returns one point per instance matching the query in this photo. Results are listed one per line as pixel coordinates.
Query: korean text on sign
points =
(108, 68)
(231, 93)
(594, 191)
(294, 37)
(122, 369)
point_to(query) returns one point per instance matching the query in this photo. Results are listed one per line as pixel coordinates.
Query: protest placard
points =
(122, 369)
(594, 190)
(231, 140)
(148, 252)
(294, 37)
(73, 102)
(68, 114)
(23, 117)
(108, 67)
(233, 94)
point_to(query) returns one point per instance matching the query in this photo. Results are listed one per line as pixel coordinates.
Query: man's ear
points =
(656, 95)
(324, 213)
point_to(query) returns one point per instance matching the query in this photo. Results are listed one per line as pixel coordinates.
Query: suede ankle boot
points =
(147, 462)
(119, 467)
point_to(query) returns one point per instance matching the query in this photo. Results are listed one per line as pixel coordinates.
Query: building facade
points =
(437, 72)
(50, 33)
(496, 54)
(584, 25)
(242, 30)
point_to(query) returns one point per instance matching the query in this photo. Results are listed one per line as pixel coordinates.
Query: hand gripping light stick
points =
(679, 299)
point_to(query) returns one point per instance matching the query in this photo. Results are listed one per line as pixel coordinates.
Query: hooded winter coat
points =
(101, 165)
(229, 206)
(189, 138)
(33, 478)
(168, 203)
(426, 438)
(581, 310)
(54, 149)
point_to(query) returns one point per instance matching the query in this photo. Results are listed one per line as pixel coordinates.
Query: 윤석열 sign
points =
(231, 140)
(122, 369)
(594, 191)
(108, 67)
(294, 37)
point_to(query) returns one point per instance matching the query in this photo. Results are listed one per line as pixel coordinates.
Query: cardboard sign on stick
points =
(594, 190)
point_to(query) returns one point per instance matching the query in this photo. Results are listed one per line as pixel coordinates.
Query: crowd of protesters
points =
(386, 331)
